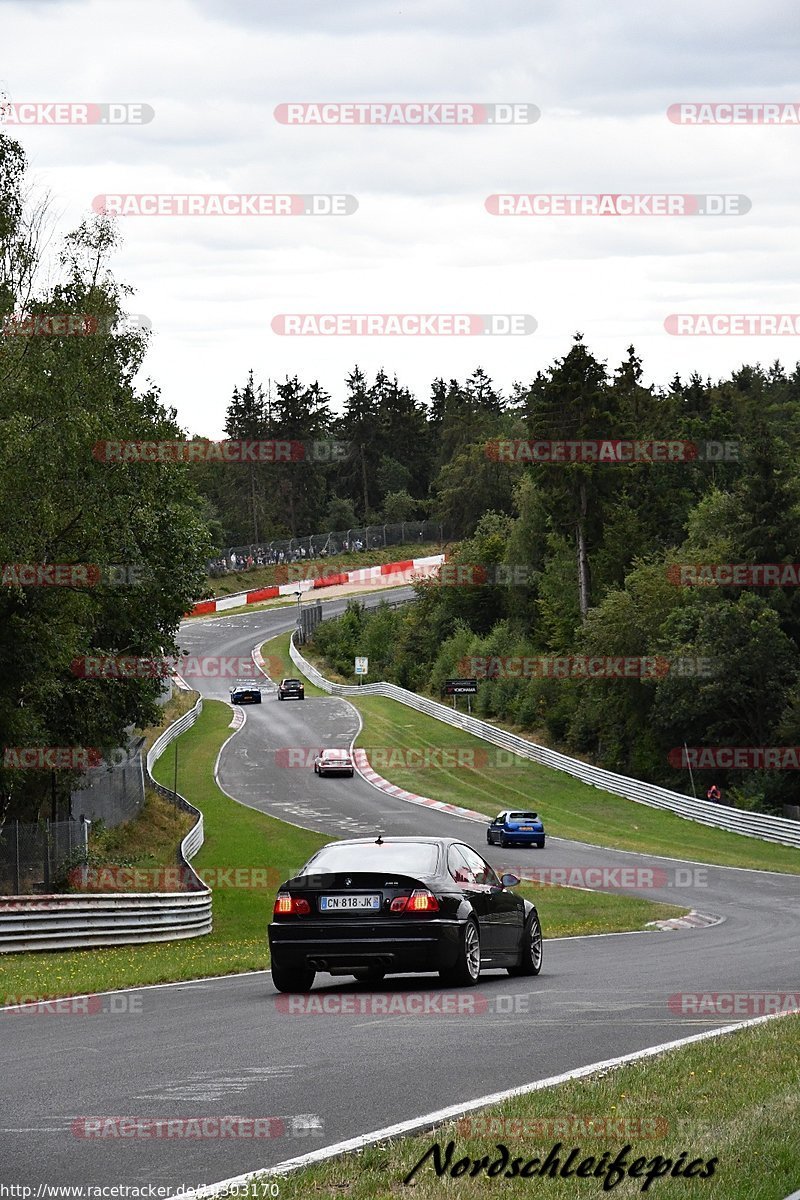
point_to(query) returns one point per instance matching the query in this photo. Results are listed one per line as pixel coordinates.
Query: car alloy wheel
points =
(467, 970)
(531, 958)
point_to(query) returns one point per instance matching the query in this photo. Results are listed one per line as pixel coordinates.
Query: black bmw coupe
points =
(372, 907)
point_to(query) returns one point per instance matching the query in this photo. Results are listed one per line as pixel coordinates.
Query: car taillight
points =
(296, 906)
(420, 900)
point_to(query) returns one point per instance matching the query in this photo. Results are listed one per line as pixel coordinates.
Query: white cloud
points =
(421, 240)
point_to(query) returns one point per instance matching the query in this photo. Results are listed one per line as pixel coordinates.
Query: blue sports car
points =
(516, 829)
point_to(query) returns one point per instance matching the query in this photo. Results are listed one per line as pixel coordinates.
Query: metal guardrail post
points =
(16, 856)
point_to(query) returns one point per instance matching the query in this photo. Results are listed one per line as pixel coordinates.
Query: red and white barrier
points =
(360, 576)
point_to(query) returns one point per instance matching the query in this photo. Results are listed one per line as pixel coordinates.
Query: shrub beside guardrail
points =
(758, 825)
(72, 922)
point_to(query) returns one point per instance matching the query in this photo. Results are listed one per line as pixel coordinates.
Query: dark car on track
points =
(372, 907)
(246, 691)
(291, 689)
(334, 762)
(516, 827)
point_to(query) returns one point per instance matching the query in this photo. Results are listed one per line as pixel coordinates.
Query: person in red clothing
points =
(714, 793)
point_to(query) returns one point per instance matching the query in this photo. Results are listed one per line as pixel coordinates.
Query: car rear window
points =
(408, 858)
(523, 816)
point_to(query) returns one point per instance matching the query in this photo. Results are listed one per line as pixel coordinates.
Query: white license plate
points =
(357, 903)
(526, 829)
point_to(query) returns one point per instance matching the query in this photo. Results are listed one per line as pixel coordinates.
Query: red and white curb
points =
(239, 719)
(361, 575)
(377, 781)
(692, 920)
(258, 659)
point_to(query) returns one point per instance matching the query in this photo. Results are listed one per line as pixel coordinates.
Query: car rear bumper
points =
(336, 770)
(332, 946)
(524, 839)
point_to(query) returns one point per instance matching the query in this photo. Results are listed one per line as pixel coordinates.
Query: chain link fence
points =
(112, 792)
(322, 545)
(32, 856)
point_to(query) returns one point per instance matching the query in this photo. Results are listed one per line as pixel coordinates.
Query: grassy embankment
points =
(704, 1099)
(493, 779)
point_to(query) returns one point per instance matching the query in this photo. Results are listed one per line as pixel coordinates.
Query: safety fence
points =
(321, 545)
(112, 792)
(82, 920)
(758, 825)
(33, 855)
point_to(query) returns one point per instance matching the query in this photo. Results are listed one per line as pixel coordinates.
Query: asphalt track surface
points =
(224, 1047)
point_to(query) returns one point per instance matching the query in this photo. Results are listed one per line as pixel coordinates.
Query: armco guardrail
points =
(71, 922)
(757, 825)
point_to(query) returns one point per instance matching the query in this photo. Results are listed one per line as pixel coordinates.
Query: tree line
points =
(59, 504)
(610, 561)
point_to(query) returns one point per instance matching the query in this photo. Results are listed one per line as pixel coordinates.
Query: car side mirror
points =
(509, 880)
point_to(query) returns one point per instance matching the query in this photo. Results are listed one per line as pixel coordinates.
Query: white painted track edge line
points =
(418, 1124)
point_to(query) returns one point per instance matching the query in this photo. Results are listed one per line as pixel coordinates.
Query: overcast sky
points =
(421, 241)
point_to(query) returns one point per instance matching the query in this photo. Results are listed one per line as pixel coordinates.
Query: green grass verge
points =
(705, 1100)
(143, 845)
(570, 808)
(248, 581)
(236, 837)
